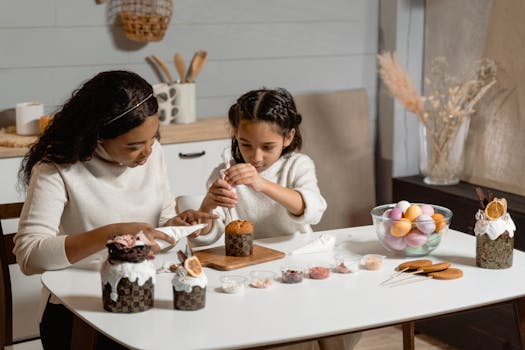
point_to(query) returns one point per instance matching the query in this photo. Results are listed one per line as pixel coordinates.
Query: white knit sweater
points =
(295, 171)
(69, 199)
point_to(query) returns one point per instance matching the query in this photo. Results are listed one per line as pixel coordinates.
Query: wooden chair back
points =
(7, 211)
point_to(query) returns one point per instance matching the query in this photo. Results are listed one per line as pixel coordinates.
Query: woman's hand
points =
(245, 174)
(192, 217)
(151, 234)
(220, 194)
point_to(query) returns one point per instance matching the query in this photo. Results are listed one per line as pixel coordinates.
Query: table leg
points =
(408, 336)
(519, 307)
(83, 337)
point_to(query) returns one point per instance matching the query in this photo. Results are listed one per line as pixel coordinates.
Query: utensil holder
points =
(177, 102)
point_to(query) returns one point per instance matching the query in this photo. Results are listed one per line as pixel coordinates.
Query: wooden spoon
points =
(163, 67)
(190, 67)
(180, 66)
(197, 64)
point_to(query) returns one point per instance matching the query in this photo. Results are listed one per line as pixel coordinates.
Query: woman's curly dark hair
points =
(82, 121)
(274, 106)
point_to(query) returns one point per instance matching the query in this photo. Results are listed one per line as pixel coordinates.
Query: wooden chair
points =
(9, 211)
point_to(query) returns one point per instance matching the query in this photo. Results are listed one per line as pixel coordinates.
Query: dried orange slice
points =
(193, 266)
(496, 208)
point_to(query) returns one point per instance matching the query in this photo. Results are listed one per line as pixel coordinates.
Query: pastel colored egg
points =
(427, 209)
(440, 221)
(413, 212)
(434, 240)
(396, 213)
(425, 223)
(396, 243)
(415, 239)
(416, 251)
(403, 205)
(401, 227)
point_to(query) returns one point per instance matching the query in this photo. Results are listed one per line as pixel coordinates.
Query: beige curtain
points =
(495, 153)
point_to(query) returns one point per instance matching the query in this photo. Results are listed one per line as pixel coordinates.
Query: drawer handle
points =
(191, 155)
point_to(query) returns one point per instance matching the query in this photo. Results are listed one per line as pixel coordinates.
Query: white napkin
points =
(323, 243)
(177, 232)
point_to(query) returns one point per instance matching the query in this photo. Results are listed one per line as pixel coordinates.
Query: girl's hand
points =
(245, 174)
(220, 194)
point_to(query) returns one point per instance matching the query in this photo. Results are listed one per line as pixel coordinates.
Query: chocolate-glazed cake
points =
(128, 277)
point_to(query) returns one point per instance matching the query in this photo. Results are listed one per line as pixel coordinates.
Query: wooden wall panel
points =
(50, 47)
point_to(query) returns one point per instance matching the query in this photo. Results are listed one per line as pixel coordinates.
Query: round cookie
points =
(414, 264)
(448, 274)
(436, 267)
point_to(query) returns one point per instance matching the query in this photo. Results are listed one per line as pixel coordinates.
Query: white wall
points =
(48, 47)
(397, 153)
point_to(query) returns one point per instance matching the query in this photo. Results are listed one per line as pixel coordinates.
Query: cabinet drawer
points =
(190, 164)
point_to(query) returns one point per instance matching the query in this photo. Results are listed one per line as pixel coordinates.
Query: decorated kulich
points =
(238, 238)
(127, 275)
(189, 283)
(494, 231)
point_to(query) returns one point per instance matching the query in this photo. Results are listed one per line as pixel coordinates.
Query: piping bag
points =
(231, 213)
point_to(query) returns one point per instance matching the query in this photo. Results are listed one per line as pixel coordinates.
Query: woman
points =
(97, 171)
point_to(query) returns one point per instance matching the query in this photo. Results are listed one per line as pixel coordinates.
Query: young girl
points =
(270, 183)
(97, 171)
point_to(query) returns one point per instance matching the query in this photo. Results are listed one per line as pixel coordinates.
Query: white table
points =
(293, 312)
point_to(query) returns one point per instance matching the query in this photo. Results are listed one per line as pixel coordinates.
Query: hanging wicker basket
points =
(146, 20)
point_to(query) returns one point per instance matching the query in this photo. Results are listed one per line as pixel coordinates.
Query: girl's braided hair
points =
(275, 106)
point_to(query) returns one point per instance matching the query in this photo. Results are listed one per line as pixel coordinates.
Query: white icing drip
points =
(186, 283)
(494, 228)
(113, 273)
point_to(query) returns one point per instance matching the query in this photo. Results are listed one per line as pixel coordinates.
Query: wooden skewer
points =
(411, 279)
(394, 275)
(404, 273)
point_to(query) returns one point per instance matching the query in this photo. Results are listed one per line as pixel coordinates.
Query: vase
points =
(442, 146)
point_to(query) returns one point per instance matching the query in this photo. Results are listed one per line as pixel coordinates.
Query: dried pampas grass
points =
(400, 85)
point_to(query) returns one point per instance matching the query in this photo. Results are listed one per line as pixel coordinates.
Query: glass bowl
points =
(416, 233)
(232, 284)
(318, 271)
(346, 263)
(262, 279)
(291, 274)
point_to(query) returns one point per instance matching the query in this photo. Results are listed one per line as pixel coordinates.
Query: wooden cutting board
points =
(215, 257)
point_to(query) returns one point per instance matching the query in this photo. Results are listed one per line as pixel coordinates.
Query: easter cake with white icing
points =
(127, 275)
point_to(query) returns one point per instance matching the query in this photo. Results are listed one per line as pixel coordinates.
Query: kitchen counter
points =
(202, 130)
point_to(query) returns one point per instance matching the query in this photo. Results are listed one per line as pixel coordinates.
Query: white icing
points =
(323, 243)
(493, 228)
(113, 273)
(186, 283)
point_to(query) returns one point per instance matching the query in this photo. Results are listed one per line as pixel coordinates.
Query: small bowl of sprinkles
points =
(262, 279)
(291, 274)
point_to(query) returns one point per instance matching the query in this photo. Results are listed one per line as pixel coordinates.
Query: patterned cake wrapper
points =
(494, 254)
(238, 245)
(194, 300)
(131, 296)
